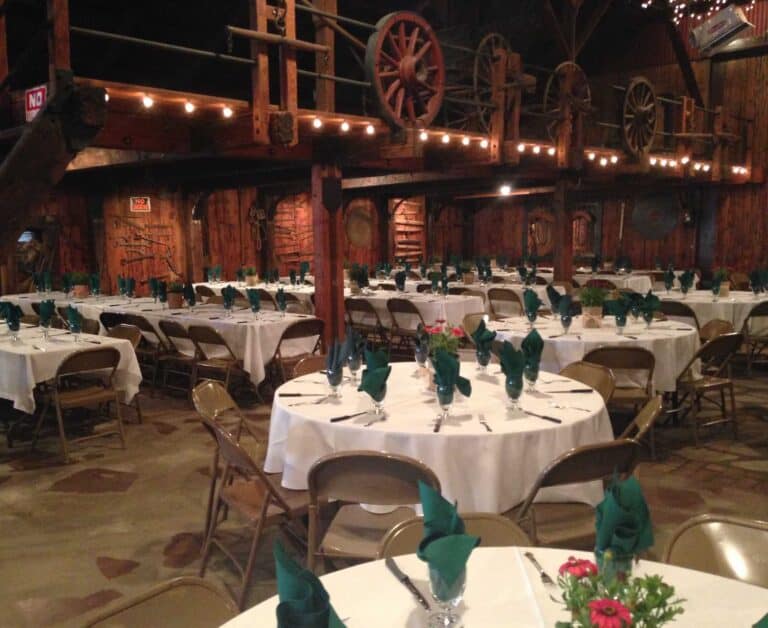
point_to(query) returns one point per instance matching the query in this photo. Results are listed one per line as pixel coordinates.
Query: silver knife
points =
(545, 577)
(405, 580)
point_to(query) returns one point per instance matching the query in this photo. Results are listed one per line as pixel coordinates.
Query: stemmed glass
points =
(228, 308)
(621, 323)
(335, 377)
(74, 327)
(45, 325)
(483, 358)
(715, 292)
(448, 598)
(13, 326)
(565, 321)
(282, 306)
(755, 291)
(444, 400)
(531, 315)
(684, 290)
(513, 386)
(354, 362)
(648, 318)
(378, 403)
(531, 374)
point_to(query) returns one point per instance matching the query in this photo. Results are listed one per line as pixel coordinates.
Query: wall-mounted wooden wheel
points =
(638, 117)
(569, 81)
(405, 67)
(485, 57)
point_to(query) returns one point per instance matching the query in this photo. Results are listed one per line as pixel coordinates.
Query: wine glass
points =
(354, 362)
(513, 386)
(228, 308)
(715, 292)
(75, 328)
(483, 358)
(335, 377)
(444, 400)
(634, 310)
(378, 403)
(531, 315)
(46, 325)
(668, 286)
(448, 597)
(621, 323)
(531, 374)
(684, 290)
(420, 354)
(255, 307)
(565, 321)
(13, 327)
(648, 318)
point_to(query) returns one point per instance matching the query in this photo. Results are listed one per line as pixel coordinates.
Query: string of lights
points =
(697, 10)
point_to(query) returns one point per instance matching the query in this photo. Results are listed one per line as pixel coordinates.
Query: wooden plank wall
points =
(499, 229)
(232, 241)
(70, 213)
(294, 241)
(372, 253)
(448, 232)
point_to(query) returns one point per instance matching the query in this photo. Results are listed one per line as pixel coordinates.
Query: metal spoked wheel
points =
(487, 52)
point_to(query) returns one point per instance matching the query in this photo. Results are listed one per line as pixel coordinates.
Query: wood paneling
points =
(232, 239)
(367, 218)
(294, 241)
(408, 228)
(499, 229)
(447, 236)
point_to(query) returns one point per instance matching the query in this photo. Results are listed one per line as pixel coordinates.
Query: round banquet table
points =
(483, 471)
(503, 589)
(302, 292)
(631, 281)
(734, 308)
(451, 308)
(672, 343)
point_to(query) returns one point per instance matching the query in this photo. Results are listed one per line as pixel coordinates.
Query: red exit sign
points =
(140, 204)
(34, 101)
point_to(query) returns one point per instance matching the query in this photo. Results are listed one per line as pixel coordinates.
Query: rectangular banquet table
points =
(29, 362)
(638, 282)
(303, 293)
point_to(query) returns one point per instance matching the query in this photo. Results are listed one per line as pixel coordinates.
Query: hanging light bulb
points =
(484, 143)
(189, 107)
(227, 112)
(423, 136)
(446, 139)
(317, 123)
(505, 190)
(536, 149)
(551, 151)
(147, 102)
(465, 141)
(591, 156)
(344, 127)
(521, 148)
(614, 159)
(370, 130)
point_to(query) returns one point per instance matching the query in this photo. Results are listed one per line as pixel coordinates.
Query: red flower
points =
(440, 320)
(436, 330)
(458, 332)
(578, 567)
(608, 613)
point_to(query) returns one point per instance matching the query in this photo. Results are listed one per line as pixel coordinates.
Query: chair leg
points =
(39, 423)
(207, 544)
(137, 407)
(119, 414)
(694, 419)
(62, 434)
(733, 412)
(250, 564)
(652, 441)
(211, 491)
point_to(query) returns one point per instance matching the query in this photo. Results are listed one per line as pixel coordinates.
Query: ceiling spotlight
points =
(614, 159)
(652, 161)
(423, 136)
(189, 107)
(446, 139)
(465, 141)
(603, 162)
(317, 123)
(551, 151)
(505, 190)
(521, 148)
(484, 143)
(370, 130)
(536, 149)
(227, 112)
(344, 127)
(147, 102)
(106, 96)
(591, 156)
(685, 160)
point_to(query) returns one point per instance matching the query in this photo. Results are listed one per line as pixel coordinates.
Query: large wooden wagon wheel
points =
(405, 67)
(569, 81)
(638, 117)
(485, 57)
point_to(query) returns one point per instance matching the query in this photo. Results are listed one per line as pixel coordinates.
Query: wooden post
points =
(58, 40)
(718, 127)
(512, 130)
(5, 100)
(498, 98)
(289, 89)
(259, 74)
(563, 252)
(328, 227)
(325, 63)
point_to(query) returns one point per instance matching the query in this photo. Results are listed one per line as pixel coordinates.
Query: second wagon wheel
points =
(568, 80)
(638, 117)
(485, 57)
(404, 64)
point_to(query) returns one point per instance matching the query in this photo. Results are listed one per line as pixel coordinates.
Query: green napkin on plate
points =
(531, 301)
(189, 295)
(254, 298)
(447, 372)
(74, 320)
(47, 309)
(375, 374)
(512, 361)
(532, 346)
(444, 546)
(483, 337)
(623, 521)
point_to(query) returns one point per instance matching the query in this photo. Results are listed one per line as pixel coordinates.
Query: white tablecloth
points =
(671, 346)
(29, 362)
(452, 308)
(504, 590)
(483, 471)
(637, 282)
(303, 293)
(734, 308)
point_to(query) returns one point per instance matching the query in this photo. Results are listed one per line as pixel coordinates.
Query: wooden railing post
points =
(289, 89)
(325, 62)
(259, 74)
(58, 40)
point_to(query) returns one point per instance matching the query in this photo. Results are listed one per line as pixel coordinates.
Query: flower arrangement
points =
(720, 274)
(442, 336)
(596, 600)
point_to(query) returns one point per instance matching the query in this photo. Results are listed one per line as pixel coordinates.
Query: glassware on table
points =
(531, 374)
(668, 287)
(612, 566)
(255, 308)
(565, 321)
(354, 362)
(75, 329)
(378, 402)
(648, 318)
(483, 359)
(45, 327)
(513, 386)
(531, 315)
(634, 311)
(684, 290)
(420, 354)
(13, 327)
(755, 292)
(715, 292)
(621, 323)
(448, 597)
(335, 377)
(444, 400)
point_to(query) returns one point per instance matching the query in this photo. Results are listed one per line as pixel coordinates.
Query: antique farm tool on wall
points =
(638, 117)
(568, 81)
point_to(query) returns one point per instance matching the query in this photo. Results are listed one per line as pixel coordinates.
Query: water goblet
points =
(531, 315)
(634, 311)
(335, 377)
(715, 292)
(684, 290)
(531, 374)
(621, 323)
(378, 403)
(513, 386)
(565, 321)
(648, 318)
(483, 358)
(444, 400)
(354, 362)
(448, 597)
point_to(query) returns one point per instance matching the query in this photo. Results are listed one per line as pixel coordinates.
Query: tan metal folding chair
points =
(636, 361)
(283, 362)
(405, 318)
(308, 365)
(223, 363)
(678, 311)
(598, 377)
(203, 293)
(714, 328)
(151, 347)
(364, 319)
(133, 335)
(755, 332)
(643, 423)
(504, 302)
(176, 360)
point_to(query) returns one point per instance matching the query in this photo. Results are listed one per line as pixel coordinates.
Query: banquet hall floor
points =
(75, 537)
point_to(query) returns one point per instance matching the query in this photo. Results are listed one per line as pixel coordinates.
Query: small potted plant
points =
(467, 274)
(175, 295)
(721, 274)
(592, 300)
(251, 276)
(80, 284)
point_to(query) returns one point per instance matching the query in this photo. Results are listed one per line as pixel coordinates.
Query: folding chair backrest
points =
(204, 292)
(758, 312)
(126, 332)
(310, 364)
(645, 419)
(369, 477)
(148, 332)
(267, 300)
(111, 319)
(177, 337)
(476, 293)
(405, 315)
(89, 326)
(714, 328)
(603, 284)
(470, 323)
(457, 290)
(677, 311)
(624, 359)
(718, 351)
(504, 301)
(361, 312)
(211, 400)
(89, 360)
(30, 319)
(424, 287)
(598, 377)
(204, 336)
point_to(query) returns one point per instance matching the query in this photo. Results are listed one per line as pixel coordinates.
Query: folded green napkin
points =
(623, 521)
(66, 282)
(304, 602)
(240, 274)
(512, 361)
(756, 280)
(444, 546)
(130, 286)
(303, 270)
(153, 286)
(447, 372)
(596, 263)
(162, 291)
(276, 275)
(121, 285)
(764, 279)
(483, 337)
(554, 297)
(47, 309)
(387, 268)
(617, 307)
(228, 293)
(423, 271)
(443, 269)
(763, 623)
(189, 294)
(254, 298)
(74, 319)
(523, 272)
(686, 280)
(564, 305)
(354, 344)
(292, 275)
(375, 375)
(650, 303)
(12, 315)
(400, 280)
(4, 305)
(217, 272)
(532, 346)
(502, 261)
(531, 301)
(282, 304)
(444, 284)
(407, 267)
(669, 278)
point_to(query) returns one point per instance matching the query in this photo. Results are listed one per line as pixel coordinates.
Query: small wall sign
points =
(34, 101)
(140, 204)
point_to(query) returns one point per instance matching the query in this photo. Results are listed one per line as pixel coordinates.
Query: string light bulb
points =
(551, 151)
(423, 136)
(521, 148)
(685, 160)
(465, 141)
(227, 112)
(106, 96)
(536, 149)
(652, 161)
(591, 156)
(603, 161)
(344, 127)
(614, 159)
(697, 166)
(147, 101)
(505, 190)
(370, 130)
(484, 143)
(189, 107)
(446, 139)
(706, 167)
(317, 123)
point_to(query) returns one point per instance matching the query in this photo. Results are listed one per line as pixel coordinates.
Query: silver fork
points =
(483, 422)
(310, 403)
(546, 579)
(560, 406)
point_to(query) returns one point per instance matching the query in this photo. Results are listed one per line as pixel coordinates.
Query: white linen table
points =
(672, 343)
(303, 293)
(734, 308)
(484, 471)
(634, 281)
(30, 361)
(451, 308)
(503, 589)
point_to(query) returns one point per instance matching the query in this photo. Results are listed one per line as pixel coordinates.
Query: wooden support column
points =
(563, 252)
(289, 89)
(58, 40)
(498, 98)
(325, 62)
(328, 227)
(5, 97)
(259, 74)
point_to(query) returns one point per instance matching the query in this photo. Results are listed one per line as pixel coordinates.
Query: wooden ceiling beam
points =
(594, 20)
(549, 12)
(684, 61)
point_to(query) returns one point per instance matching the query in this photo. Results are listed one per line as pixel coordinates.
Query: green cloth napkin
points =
(596, 263)
(523, 272)
(121, 286)
(554, 297)
(153, 284)
(444, 546)
(189, 295)
(254, 298)
(564, 305)
(130, 286)
(763, 623)
(447, 372)
(531, 301)
(304, 602)
(228, 294)
(400, 280)
(74, 319)
(240, 274)
(650, 303)
(623, 521)
(375, 375)
(617, 307)
(532, 346)
(669, 278)
(66, 282)
(47, 309)
(95, 281)
(303, 270)
(502, 261)
(162, 291)
(276, 275)
(756, 280)
(13, 316)
(292, 275)
(512, 361)
(423, 271)
(282, 304)
(483, 337)
(407, 267)
(444, 284)
(686, 279)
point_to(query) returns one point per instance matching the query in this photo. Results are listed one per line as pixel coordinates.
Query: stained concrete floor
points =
(114, 522)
